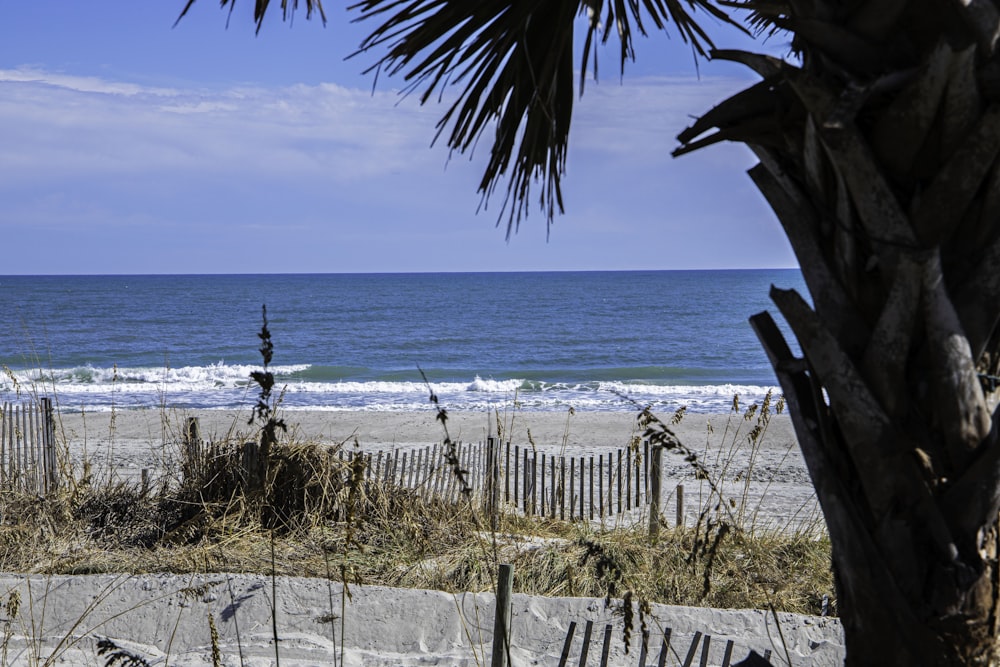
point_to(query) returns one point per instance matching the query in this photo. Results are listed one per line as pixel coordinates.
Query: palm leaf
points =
(511, 62)
(765, 17)
(260, 9)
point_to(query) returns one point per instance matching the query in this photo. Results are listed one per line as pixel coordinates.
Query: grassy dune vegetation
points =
(303, 511)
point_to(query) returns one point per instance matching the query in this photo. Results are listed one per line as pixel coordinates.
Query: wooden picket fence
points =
(28, 460)
(505, 477)
(523, 479)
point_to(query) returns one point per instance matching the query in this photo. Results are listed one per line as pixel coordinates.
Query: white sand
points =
(153, 615)
(165, 619)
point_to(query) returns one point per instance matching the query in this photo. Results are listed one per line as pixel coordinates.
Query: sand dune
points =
(164, 618)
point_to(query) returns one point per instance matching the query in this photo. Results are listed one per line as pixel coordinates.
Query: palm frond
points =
(288, 8)
(766, 17)
(512, 64)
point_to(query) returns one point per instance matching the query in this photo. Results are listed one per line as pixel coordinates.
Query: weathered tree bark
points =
(880, 155)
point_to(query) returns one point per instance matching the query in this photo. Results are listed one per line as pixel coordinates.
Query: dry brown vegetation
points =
(327, 521)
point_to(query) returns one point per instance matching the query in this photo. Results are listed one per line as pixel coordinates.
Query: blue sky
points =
(128, 145)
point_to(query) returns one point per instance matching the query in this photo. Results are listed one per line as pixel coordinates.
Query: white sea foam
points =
(222, 385)
(84, 378)
(494, 386)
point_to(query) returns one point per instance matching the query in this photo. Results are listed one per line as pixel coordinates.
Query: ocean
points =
(541, 341)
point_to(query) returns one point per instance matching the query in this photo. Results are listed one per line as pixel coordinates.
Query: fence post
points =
(501, 617)
(619, 480)
(654, 492)
(506, 475)
(639, 475)
(562, 488)
(488, 480)
(552, 509)
(6, 425)
(600, 482)
(572, 486)
(51, 459)
(402, 472)
(192, 449)
(414, 473)
(541, 494)
(528, 499)
(645, 466)
(417, 469)
(680, 506)
(517, 478)
(591, 488)
(495, 472)
(628, 478)
(22, 445)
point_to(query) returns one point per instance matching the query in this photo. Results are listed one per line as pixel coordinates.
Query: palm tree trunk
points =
(880, 155)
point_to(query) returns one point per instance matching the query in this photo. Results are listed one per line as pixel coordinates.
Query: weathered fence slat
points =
(727, 658)
(575, 489)
(566, 644)
(693, 649)
(586, 643)
(664, 649)
(501, 617)
(606, 648)
(654, 501)
(506, 475)
(600, 483)
(628, 478)
(619, 480)
(591, 488)
(28, 460)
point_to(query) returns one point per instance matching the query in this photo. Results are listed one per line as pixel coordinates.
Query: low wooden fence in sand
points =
(500, 655)
(506, 477)
(701, 643)
(526, 480)
(28, 460)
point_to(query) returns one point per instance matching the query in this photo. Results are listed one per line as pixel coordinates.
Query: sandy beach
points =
(145, 437)
(771, 481)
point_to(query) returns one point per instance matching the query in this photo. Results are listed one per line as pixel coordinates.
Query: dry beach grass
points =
(314, 517)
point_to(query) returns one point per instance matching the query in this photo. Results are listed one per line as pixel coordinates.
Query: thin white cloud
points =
(82, 84)
(86, 125)
(69, 123)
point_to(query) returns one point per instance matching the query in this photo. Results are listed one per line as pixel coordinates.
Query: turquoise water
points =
(356, 341)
